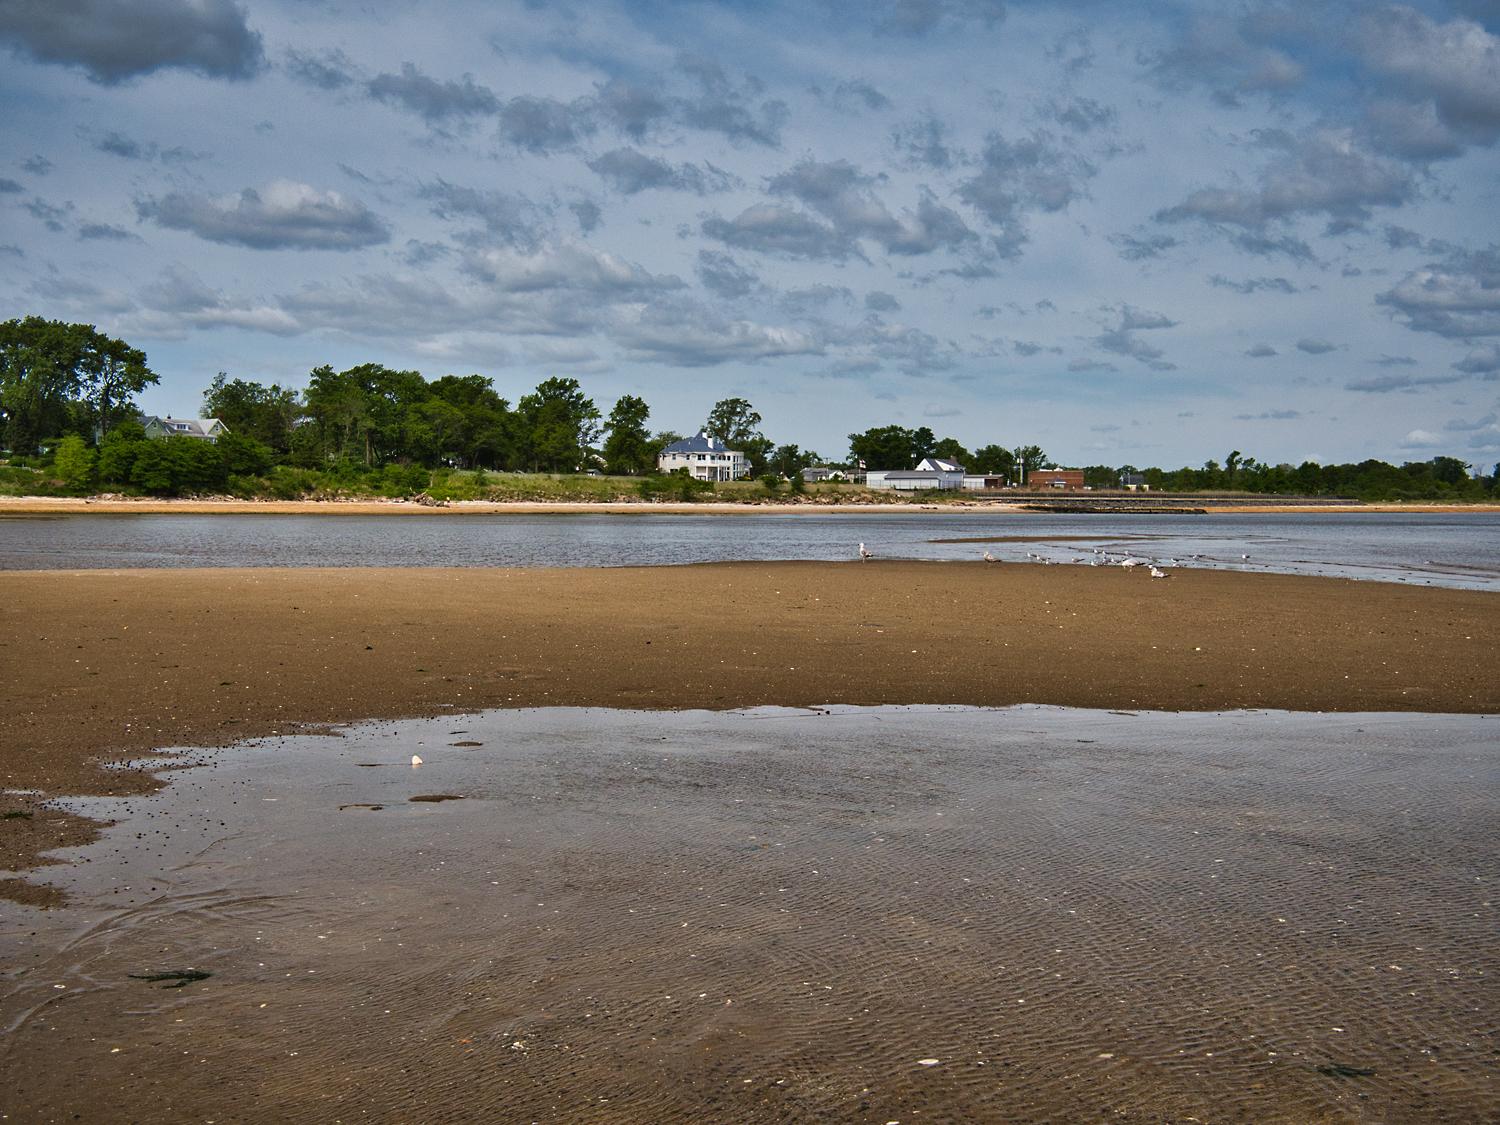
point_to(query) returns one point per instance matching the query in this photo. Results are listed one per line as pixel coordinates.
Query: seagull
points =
(1159, 573)
(1244, 556)
(1128, 563)
(864, 554)
(988, 557)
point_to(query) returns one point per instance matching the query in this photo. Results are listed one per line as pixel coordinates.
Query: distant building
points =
(1134, 482)
(939, 465)
(704, 457)
(208, 429)
(931, 472)
(1066, 480)
(815, 473)
(984, 482)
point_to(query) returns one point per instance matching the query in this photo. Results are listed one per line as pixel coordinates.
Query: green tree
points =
(789, 461)
(737, 424)
(118, 452)
(56, 377)
(175, 465)
(1450, 470)
(1031, 458)
(36, 380)
(266, 414)
(628, 450)
(885, 448)
(557, 424)
(1101, 476)
(994, 460)
(110, 374)
(74, 462)
(923, 444)
(339, 408)
(434, 431)
(488, 433)
(950, 450)
(244, 456)
(360, 412)
(733, 421)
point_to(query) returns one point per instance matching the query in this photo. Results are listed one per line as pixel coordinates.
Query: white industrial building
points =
(931, 472)
(704, 457)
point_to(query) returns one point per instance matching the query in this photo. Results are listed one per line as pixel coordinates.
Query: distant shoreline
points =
(62, 505)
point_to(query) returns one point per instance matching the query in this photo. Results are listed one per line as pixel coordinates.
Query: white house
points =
(704, 457)
(931, 472)
(208, 429)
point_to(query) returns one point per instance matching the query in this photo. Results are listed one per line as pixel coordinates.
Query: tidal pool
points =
(852, 914)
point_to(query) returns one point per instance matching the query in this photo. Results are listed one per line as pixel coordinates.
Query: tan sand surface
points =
(100, 665)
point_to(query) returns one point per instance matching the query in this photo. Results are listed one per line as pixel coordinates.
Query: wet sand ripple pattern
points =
(780, 916)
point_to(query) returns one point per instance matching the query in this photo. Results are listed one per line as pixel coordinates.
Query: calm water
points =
(1447, 550)
(913, 914)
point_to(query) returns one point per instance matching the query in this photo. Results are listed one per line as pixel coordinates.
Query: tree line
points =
(72, 389)
(1438, 478)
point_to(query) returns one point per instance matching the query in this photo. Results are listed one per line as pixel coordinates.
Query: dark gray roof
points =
(698, 443)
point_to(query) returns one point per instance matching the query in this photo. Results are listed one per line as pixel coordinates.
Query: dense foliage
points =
(58, 378)
(69, 422)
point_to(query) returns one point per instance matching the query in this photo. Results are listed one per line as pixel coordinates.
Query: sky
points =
(1130, 233)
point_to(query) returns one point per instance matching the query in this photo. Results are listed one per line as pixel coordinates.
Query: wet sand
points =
(100, 665)
(865, 916)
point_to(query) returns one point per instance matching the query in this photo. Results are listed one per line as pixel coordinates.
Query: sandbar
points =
(100, 666)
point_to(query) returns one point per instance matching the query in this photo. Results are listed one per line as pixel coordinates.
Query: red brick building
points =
(1064, 480)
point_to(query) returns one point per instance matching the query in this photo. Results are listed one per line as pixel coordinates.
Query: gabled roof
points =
(940, 464)
(699, 443)
(193, 427)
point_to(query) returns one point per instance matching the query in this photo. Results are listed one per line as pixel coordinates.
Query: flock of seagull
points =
(1099, 557)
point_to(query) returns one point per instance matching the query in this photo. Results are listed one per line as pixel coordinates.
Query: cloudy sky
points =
(1143, 232)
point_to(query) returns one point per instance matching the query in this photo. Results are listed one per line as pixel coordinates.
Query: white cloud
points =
(284, 215)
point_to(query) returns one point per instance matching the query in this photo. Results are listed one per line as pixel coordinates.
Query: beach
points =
(643, 844)
(105, 665)
(833, 914)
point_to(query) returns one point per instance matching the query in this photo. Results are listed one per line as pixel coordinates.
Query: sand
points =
(859, 917)
(104, 665)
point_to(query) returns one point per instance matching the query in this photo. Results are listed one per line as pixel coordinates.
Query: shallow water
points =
(855, 914)
(1447, 549)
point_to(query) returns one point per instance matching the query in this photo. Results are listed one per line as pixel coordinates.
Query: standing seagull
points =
(864, 554)
(988, 557)
(1159, 573)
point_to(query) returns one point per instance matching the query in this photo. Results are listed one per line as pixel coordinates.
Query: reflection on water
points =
(1455, 549)
(859, 914)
